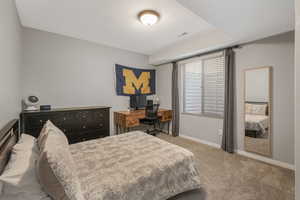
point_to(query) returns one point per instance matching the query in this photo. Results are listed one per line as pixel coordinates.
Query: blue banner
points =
(133, 81)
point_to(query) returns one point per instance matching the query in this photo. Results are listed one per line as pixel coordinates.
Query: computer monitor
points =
(138, 101)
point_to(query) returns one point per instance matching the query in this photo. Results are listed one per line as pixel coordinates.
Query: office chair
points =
(152, 118)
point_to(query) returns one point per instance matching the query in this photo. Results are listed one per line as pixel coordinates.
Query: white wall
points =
(164, 85)
(275, 51)
(66, 72)
(203, 128)
(10, 60)
(196, 44)
(297, 99)
(278, 52)
(257, 85)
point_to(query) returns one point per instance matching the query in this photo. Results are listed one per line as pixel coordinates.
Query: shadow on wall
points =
(283, 38)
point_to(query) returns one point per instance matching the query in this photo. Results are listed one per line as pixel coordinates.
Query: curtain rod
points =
(201, 54)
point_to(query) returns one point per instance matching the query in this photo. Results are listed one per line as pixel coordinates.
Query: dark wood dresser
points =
(79, 124)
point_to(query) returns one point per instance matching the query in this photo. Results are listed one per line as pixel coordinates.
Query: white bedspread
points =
(134, 166)
(257, 122)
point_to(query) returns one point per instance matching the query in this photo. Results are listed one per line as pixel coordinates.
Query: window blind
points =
(204, 86)
(193, 84)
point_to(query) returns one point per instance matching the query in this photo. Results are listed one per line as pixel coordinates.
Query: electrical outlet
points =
(220, 132)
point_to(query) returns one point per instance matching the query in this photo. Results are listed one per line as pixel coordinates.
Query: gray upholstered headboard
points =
(8, 138)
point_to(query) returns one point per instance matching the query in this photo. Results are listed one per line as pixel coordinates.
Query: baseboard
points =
(246, 154)
(201, 141)
(266, 160)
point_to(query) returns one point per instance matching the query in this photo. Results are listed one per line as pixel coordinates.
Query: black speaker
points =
(45, 107)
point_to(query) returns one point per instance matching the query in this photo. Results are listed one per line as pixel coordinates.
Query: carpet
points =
(233, 177)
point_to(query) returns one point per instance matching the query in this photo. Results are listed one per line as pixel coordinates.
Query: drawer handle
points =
(84, 127)
(101, 125)
(65, 119)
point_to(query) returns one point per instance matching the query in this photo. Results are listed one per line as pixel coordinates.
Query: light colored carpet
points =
(234, 177)
(258, 145)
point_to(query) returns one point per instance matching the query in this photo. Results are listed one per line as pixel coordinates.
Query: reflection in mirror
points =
(258, 111)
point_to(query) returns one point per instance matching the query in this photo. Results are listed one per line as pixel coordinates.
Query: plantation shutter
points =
(203, 86)
(213, 90)
(193, 84)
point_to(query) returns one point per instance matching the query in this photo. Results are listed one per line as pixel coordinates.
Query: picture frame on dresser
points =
(79, 124)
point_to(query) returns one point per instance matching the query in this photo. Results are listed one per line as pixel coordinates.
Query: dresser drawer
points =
(57, 119)
(35, 131)
(100, 114)
(36, 121)
(77, 124)
(87, 135)
(95, 125)
(94, 134)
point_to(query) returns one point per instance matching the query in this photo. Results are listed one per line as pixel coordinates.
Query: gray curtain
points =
(175, 100)
(228, 122)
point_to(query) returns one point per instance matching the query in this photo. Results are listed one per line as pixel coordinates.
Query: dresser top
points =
(67, 109)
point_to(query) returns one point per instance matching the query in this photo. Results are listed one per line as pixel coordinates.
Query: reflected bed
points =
(257, 123)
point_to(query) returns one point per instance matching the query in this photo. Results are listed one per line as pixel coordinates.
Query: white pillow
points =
(259, 109)
(256, 109)
(248, 108)
(26, 143)
(19, 178)
(49, 127)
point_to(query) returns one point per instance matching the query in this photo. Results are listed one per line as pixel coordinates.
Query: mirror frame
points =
(270, 107)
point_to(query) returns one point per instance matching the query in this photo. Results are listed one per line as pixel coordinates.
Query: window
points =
(203, 86)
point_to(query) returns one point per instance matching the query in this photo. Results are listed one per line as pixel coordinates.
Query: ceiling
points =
(113, 22)
(246, 20)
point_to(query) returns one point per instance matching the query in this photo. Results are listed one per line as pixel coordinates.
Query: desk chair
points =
(152, 118)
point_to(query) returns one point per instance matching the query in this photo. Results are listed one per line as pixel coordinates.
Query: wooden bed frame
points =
(9, 136)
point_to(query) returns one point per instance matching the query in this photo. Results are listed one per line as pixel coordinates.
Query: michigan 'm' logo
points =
(132, 83)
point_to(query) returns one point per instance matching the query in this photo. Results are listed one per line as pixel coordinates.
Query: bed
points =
(257, 123)
(256, 119)
(133, 166)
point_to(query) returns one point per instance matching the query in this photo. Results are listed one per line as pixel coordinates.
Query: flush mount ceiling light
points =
(148, 17)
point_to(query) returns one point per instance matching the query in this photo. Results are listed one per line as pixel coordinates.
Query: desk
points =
(124, 120)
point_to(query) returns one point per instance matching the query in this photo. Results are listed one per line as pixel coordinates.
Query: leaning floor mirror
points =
(258, 111)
